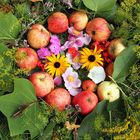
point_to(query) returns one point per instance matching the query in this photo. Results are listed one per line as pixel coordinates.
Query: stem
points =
(110, 120)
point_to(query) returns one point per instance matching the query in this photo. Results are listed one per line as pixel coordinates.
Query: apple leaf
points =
(9, 26)
(3, 48)
(122, 64)
(99, 5)
(86, 126)
(22, 109)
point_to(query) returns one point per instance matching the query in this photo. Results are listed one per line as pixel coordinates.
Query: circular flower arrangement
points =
(69, 69)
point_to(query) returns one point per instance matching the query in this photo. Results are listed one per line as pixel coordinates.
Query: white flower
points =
(97, 74)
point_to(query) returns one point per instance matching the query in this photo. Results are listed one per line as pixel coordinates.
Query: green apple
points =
(108, 90)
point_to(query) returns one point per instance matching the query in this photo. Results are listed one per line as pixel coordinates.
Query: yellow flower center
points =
(70, 78)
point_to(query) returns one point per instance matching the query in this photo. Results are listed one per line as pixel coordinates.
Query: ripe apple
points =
(86, 100)
(116, 47)
(42, 82)
(58, 98)
(78, 20)
(108, 91)
(98, 29)
(38, 36)
(57, 22)
(109, 69)
(26, 58)
(89, 85)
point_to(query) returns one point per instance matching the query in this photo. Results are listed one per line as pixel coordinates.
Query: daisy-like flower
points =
(97, 74)
(56, 65)
(90, 58)
(72, 83)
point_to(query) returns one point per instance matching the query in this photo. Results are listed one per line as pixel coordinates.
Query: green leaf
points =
(9, 26)
(99, 5)
(122, 64)
(3, 48)
(29, 119)
(86, 126)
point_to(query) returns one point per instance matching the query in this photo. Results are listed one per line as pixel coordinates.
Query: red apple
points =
(78, 20)
(57, 23)
(38, 36)
(98, 29)
(86, 100)
(58, 98)
(42, 82)
(116, 47)
(26, 58)
(109, 69)
(89, 85)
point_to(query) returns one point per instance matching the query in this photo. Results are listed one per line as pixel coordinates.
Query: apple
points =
(57, 22)
(108, 90)
(116, 47)
(58, 98)
(78, 20)
(43, 83)
(26, 58)
(38, 36)
(109, 69)
(88, 85)
(98, 29)
(86, 100)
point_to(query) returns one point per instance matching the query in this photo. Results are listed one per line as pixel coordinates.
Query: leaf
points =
(86, 125)
(48, 131)
(29, 120)
(9, 26)
(99, 5)
(3, 48)
(122, 64)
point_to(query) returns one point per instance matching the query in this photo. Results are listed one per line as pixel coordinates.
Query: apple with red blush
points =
(57, 23)
(38, 36)
(26, 59)
(58, 98)
(78, 19)
(43, 83)
(98, 29)
(89, 85)
(86, 100)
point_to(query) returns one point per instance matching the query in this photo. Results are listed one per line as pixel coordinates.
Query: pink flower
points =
(74, 91)
(76, 39)
(57, 80)
(55, 45)
(71, 78)
(43, 52)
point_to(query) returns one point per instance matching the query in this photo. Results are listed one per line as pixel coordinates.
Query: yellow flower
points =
(56, 65)
(90, 58)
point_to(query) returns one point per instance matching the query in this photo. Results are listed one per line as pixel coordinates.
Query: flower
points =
(90, 58)
(43, 52)
(71, 78)
(57, 80)
(56, 65)
(97, 74)
(72, 83)
(67, 2)
(55, 45)
(76, 39)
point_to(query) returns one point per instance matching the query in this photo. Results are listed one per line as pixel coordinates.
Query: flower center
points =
(91, 58)
(70, 78)
(56, 64)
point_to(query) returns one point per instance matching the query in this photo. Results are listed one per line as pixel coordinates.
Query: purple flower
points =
(55, 45)
(67, 2)
(74, 91)
(57, 80)
(43, 52)
(71, 78)
(76, 39)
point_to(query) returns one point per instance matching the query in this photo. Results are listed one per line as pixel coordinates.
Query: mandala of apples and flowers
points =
(79, 52)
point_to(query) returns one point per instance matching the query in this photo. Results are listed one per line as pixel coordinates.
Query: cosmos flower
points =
(56, 65)
(97, 74)
(90, 58)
